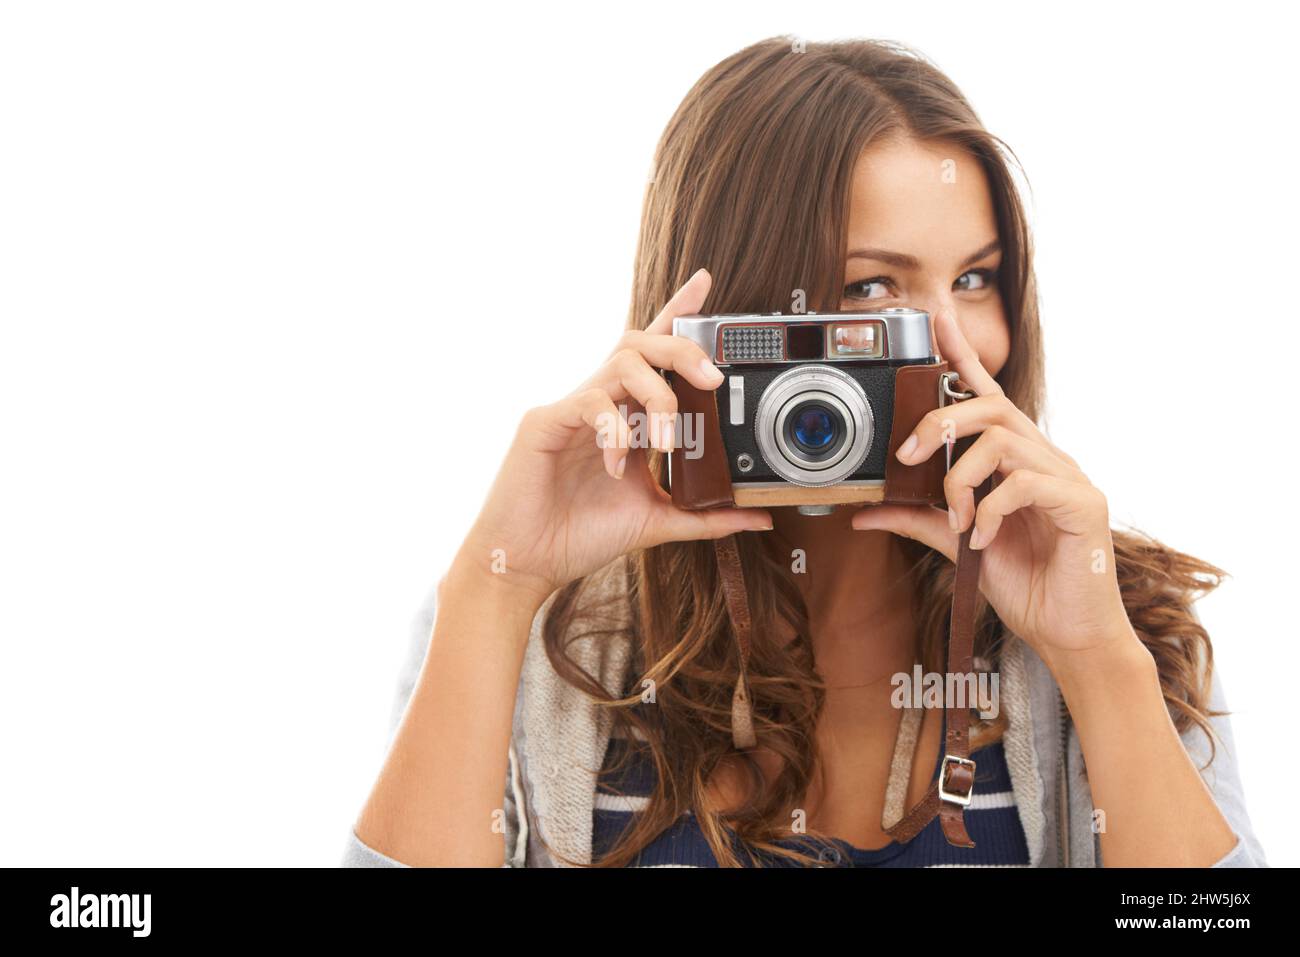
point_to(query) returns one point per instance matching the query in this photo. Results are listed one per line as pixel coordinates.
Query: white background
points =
(265, 266)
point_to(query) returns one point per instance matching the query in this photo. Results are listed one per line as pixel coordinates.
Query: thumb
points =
(921, 523)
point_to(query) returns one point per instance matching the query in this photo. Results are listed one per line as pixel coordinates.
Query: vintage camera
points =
(811, 410)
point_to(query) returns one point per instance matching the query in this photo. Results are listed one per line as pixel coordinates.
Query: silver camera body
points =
(808, 399)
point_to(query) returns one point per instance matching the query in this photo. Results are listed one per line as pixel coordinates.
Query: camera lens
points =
(814, 425)
(814, 429)
(814, 432)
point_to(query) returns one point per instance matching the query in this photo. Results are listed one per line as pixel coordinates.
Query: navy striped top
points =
(991, 820)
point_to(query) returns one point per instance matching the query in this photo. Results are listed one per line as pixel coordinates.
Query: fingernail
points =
(908, 447)
(952, 519)
(666, 435)
(618, 469)
(710, 371)
(975, 541)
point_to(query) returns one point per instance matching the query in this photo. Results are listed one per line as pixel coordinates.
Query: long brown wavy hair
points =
(752, 179)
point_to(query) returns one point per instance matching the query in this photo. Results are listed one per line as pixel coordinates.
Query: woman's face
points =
(923, 233)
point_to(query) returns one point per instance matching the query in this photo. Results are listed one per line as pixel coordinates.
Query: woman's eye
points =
(877, 288)
(973, 279)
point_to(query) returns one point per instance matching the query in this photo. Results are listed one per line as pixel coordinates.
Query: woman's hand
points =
(572, 495)
(1048, 567)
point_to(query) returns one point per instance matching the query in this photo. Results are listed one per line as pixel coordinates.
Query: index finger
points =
(686, 300)
(961, 355)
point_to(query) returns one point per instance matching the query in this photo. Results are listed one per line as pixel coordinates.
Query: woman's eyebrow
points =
(904, 261)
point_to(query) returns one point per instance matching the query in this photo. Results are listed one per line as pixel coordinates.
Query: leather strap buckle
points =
(947, 390)
(949, 761)
(947, 381)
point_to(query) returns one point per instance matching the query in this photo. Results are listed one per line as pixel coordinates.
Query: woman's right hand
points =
(562, 506)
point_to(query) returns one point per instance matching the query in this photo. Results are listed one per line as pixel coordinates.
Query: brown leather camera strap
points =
(733, 588)
(950, 793)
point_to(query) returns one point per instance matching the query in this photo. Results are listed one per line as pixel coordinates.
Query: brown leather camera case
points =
(705, 482)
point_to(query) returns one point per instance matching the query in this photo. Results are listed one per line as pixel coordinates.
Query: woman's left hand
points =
(1048, 566)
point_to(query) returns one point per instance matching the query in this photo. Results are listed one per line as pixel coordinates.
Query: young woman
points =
(854, 175)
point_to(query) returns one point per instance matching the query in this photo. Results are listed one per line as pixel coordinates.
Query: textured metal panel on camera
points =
(752, 344)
